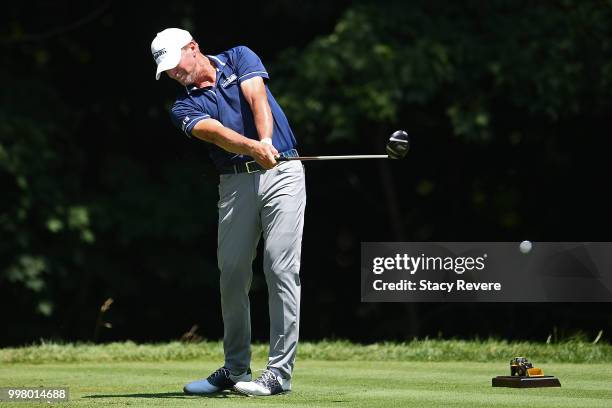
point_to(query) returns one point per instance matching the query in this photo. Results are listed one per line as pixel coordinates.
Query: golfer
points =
(225, 101)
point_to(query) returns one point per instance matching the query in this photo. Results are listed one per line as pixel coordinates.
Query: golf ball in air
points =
(525, 247)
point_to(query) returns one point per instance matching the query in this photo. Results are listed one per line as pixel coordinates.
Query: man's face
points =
(185, 72)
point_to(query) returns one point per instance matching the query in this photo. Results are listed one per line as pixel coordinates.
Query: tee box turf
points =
(524, 375)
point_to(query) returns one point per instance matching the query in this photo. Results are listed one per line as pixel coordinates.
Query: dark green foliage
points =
(507, 103)
(473, 62)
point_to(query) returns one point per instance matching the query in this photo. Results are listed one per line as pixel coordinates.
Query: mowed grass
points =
(328, 374)
(318, 384)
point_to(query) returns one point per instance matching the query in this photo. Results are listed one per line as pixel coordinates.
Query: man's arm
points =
(212, 131)
(254, 91)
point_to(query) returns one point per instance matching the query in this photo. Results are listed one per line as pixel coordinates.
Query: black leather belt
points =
(252, 166)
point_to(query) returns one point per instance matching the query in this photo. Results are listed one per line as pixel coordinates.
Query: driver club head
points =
(398, 145)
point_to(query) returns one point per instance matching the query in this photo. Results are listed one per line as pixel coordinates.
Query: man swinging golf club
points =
(225, 101)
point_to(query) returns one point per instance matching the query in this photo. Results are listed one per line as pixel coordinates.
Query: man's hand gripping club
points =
(265, 154)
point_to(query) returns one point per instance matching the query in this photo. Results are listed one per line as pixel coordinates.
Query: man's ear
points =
(194, 46)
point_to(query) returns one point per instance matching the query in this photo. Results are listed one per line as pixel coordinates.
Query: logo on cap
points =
(159, 53)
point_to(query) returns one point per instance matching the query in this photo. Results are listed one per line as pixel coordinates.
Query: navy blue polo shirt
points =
(226, 103)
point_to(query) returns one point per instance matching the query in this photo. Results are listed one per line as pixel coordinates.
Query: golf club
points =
(397, 148)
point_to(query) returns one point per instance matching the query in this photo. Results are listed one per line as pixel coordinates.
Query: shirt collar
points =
(220, 61)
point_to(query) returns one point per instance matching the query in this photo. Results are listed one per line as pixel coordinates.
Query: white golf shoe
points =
(220, 380)
(268, 383)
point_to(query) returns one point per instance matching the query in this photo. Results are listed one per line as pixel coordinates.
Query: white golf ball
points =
(525, 247)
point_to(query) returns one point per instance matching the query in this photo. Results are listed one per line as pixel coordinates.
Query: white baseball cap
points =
(166, 48)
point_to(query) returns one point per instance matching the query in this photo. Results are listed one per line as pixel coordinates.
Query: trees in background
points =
(101, 197)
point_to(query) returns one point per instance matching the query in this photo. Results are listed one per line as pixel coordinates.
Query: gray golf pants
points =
(271, 203)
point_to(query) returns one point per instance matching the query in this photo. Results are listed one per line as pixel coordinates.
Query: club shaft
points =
(348, 157)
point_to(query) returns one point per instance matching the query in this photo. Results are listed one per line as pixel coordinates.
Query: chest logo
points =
(228, 80)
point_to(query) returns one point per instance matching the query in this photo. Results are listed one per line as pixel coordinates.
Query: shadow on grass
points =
(178, 395)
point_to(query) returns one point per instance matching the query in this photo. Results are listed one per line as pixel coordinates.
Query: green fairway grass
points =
(391, 380)
(318, 384)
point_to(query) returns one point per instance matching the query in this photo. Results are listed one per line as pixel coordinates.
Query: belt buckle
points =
(248, 169)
